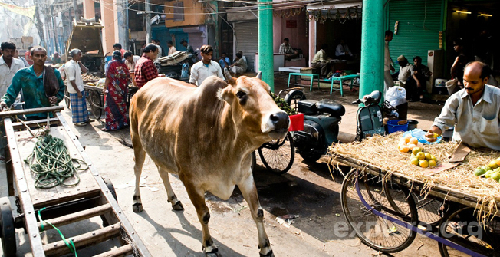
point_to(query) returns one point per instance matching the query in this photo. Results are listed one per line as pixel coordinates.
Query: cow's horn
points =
(259, 75)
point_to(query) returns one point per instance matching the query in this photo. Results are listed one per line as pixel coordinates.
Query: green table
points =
(312, 76)
(341, 79)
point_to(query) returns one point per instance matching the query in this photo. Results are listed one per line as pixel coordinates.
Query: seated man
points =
(320, 60)
(342, 51)
(287, 50)
(415, 85)
(473, 111)
(224, 61)
(405, 70)
(239, 66)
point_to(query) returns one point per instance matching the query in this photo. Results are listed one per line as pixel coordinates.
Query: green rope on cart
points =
(70, 245)
(51, 163)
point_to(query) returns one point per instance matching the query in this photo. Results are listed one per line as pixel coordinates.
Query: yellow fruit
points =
(414, 140)
(423, 163)
(432, 163)
(414, 161)
(402, 141)
(412, 146)
(420, 156)
(493, 164)
(497, 161)
(416, 150)
(433, 157)
(404, 148)
(428, 156)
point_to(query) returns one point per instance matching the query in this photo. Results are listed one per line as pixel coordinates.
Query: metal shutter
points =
(247, 40)
(418, 30)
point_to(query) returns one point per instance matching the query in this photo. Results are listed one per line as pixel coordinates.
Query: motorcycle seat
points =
(308, 107)
(330, 107)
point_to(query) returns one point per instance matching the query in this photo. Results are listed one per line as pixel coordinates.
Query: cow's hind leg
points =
(249, 191)
(198, 200)
(176, 204)
(139, 157)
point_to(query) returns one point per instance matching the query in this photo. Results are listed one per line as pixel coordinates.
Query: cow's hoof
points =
(213, 253)
(137, 207)
(269, 254)
(178, 206)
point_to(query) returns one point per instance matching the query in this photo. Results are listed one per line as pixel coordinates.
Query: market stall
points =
(401, 199)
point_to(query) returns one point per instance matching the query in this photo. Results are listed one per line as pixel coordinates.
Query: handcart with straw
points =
(53, 185)
(387, 200)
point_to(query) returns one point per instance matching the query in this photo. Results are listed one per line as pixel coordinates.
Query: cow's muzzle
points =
(276, 125)
(280, 121)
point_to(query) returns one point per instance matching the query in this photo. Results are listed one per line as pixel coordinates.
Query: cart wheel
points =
(427, 208)
(96, 104)
(9, 244)
(377, 232)
(462, 228)
(277, 155)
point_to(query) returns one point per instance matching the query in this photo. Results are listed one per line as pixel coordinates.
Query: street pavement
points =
(309, 193)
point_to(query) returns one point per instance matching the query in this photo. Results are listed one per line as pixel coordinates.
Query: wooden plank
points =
(122, 251)
(35, 123)
(31, 223)
(31, 111)
(137, 243)
(76, 216)
(81, 241)
(59, 194)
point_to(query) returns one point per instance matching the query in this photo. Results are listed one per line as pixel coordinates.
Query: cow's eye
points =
(241, 94)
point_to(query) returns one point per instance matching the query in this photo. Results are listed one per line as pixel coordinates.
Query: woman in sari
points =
(115, 98)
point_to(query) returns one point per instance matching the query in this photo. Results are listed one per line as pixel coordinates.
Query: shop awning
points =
(336, 10)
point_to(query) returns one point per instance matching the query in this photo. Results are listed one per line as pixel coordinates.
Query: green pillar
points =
(266, 57)
(372, 47)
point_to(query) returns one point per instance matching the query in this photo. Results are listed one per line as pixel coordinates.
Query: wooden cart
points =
(393, 198)
(92, 197)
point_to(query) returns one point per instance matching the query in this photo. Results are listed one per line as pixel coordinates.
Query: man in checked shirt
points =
(145, 69)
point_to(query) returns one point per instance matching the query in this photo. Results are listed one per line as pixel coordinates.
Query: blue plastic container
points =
(393, 126)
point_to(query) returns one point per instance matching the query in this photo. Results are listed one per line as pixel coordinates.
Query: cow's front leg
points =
(176, 204)
(198, 200)
(249, 192)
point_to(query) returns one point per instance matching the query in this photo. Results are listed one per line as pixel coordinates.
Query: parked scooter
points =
(370, 116)
(321, 124)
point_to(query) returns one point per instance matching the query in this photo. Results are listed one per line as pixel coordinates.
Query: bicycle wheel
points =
(96, 104)
(67, 99)
(427, 208)
(278, 155)
(377, 232)
(462, 228)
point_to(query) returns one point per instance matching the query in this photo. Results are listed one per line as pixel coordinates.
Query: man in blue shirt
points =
(39, 89)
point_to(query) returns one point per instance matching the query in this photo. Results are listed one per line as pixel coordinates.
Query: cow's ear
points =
(229, 78)
(226, 93)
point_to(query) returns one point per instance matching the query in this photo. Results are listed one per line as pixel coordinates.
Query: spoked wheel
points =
(427, 208)
(361, 192)
(67, 99)
(96, 104)
(462, 228)
(277, 156)
(8, 230)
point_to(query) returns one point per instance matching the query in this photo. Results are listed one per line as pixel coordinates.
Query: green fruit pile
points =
(283, 105)
(492, 170)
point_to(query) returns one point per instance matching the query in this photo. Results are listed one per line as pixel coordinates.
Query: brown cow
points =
(206, 135)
